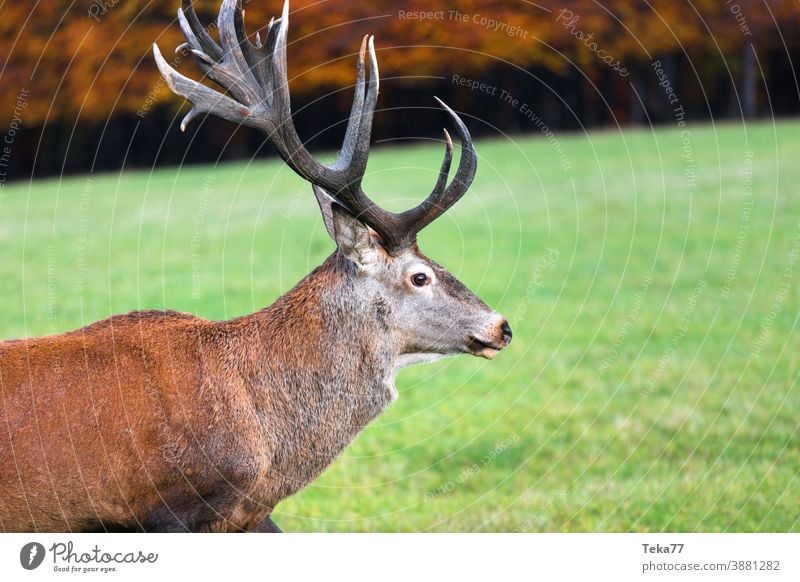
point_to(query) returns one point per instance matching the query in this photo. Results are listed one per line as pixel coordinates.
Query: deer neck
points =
(323, 342)
(318, 370)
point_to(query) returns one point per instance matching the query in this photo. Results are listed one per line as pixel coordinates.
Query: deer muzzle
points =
(488, 347)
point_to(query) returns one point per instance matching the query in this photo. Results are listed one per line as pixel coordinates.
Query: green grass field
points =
(653, 379)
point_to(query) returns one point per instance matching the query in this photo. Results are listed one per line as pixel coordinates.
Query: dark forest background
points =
(81, 91)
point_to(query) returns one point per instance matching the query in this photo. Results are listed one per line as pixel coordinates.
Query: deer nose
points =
(506, 332)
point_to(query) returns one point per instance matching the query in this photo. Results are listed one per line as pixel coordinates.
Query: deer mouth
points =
(482, 348)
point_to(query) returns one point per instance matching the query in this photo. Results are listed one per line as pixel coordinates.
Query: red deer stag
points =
(162, 421)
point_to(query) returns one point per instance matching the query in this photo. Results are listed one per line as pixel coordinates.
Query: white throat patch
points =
(410, 359)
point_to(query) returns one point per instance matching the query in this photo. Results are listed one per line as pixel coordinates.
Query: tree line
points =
(93, 99)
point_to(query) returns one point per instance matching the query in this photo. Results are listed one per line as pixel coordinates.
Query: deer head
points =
(418, 303)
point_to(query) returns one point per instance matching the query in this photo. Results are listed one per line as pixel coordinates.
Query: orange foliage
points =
(93, 60)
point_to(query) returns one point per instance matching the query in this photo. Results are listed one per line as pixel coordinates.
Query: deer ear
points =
(325, 201)
(352, 237)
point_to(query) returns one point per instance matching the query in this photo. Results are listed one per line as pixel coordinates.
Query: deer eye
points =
(419, 279)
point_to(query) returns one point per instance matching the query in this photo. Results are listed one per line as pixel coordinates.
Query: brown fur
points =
(162, 421)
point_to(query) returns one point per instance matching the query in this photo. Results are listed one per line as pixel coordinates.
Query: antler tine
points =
(442, 198)
(354, 121)
(467, 165)
(287, 141)
(256, 61)
(241, 80)
(256, 77)
(203, 99)
(223, 66)
(263, 56)
(444, 171)
(352, 162)
(258, 81)
(342, 179)
(195, 34)
(258, 55)
(361, 146)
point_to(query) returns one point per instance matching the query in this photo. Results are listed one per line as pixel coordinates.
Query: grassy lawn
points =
(654, 294)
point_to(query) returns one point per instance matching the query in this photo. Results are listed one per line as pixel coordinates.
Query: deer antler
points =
(255, 76)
